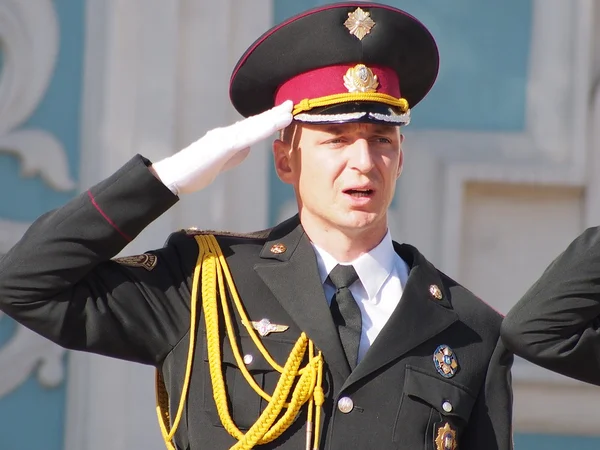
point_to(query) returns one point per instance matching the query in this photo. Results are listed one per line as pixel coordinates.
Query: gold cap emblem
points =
(446, 438)
(435, 292)
(360, 79)
(359, 23)
(278, 249)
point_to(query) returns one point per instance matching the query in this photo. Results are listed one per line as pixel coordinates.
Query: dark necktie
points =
(345, 311)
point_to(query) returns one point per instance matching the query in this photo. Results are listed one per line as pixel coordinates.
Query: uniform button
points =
(345, 405)
(248, 359)
(447, 406)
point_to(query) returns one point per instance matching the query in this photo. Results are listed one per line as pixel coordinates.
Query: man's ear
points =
(401, 158)
(281, 158)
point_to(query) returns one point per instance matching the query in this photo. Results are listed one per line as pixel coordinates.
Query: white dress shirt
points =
(382, 276)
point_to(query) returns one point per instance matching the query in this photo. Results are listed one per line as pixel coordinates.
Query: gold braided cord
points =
(244, 319)
(162, 407)
(309, 103)
(307, 380)
(229, 324)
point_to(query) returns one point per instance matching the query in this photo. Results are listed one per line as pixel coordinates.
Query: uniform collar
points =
(373, 268)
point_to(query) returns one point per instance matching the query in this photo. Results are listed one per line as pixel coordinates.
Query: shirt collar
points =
(373, 268)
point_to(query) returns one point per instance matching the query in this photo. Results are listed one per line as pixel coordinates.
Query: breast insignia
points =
(445, 361)
(265, 327)
(446, 438)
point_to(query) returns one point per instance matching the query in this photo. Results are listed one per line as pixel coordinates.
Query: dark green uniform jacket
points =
(60, 281)
(557, 322)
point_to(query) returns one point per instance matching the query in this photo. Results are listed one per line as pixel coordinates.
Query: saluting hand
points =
(220, 149)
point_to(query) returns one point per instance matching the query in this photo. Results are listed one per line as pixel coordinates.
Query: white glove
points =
(197, 165)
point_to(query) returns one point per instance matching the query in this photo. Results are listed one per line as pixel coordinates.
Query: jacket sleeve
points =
(557, 322)
(490, 424)
(59, 279)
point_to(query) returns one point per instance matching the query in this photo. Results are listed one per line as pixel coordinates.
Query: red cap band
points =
(329, 80)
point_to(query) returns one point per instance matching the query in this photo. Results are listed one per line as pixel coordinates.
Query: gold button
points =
(278, 248)
(435, 292)
(345, 405)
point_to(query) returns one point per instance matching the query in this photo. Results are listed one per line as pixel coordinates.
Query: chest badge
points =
(446, 438)
(445, 361)
(265, 327)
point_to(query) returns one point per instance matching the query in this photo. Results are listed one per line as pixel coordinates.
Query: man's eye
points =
(383, 140)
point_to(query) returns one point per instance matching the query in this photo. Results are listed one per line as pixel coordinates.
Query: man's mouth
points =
(359, 192)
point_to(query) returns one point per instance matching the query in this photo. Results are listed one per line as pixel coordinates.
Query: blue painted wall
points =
(555, 442)
(483, 67)
(32, 417)
(58, 113)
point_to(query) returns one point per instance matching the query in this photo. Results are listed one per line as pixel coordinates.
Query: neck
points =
(344, 245)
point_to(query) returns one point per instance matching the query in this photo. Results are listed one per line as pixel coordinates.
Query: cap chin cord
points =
(273, 421)
(345, 97)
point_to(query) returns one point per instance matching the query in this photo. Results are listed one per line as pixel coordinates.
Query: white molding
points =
(30, 36)
(40, 153)
(25, 353)
(29, 33)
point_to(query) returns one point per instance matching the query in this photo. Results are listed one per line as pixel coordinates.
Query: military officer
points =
(556, 323)
(321, 332)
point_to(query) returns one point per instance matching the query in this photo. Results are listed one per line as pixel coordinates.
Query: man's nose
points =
(361, 158)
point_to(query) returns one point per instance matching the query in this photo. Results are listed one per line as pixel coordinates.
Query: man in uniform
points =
(556, 324)
(319, 333)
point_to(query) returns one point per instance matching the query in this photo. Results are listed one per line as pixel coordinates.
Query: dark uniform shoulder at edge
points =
(471, 305)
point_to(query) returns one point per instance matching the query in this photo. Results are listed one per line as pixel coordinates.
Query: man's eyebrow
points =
(334, 129)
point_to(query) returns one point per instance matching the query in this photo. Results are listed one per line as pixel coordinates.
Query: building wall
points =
(498, 176)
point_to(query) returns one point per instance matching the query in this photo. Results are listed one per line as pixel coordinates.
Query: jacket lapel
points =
(290, 271)
(418, 317)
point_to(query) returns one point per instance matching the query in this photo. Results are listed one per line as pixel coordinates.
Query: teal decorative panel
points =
(39, 158)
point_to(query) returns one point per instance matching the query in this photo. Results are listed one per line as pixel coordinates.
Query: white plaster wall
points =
(511, 233)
